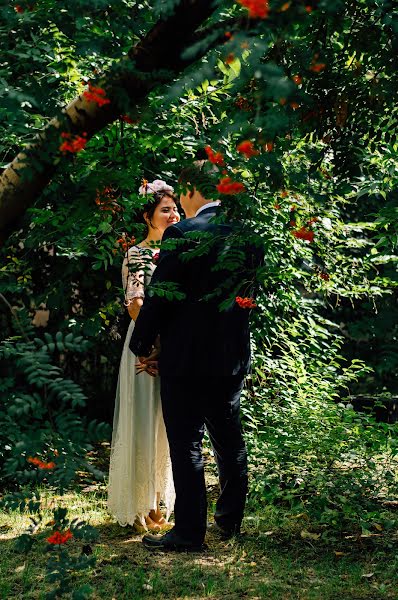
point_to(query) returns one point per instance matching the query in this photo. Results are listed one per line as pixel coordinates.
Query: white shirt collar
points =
(208, 205)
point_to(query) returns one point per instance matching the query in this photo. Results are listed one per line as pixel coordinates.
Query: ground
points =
(280, 557)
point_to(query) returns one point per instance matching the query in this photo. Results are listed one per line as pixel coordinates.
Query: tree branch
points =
(155, 59)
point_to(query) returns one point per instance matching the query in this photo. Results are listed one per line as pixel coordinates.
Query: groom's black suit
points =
(205, 354)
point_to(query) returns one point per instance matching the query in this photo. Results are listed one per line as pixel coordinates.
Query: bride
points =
(140, 474)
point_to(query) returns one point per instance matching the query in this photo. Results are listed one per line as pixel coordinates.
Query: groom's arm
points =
(155, 308)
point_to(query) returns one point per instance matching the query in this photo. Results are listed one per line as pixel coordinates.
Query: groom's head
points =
(197, 185)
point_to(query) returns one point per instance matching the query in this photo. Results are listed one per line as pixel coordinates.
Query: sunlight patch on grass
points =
(272, 561)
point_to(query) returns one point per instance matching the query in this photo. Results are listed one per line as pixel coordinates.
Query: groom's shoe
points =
(171, 542)
(222, 533)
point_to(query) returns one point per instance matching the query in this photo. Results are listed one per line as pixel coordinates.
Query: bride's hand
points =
(147, 365)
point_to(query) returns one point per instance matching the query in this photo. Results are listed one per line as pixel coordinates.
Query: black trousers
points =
(190, 403)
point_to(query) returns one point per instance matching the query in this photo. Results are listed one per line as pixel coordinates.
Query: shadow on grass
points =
(278, 565)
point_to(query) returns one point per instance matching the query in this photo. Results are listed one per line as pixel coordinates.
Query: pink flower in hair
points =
(155, 186)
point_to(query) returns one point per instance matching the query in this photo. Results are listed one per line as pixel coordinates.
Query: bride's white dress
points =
(140, 465)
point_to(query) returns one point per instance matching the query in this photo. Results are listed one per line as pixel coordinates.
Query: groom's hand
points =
(154, 355)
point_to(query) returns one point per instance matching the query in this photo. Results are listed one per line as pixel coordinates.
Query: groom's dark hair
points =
(203, 175)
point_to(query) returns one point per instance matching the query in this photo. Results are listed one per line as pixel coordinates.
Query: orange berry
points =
(298, 80)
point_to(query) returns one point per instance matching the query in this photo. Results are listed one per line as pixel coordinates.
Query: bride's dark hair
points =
(153, 193)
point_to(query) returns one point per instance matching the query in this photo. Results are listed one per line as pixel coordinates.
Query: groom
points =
(205, 354)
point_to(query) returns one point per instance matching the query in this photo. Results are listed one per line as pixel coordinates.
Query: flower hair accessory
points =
(155, 186)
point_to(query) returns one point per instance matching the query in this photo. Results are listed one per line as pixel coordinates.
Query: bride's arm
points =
(134, 307)
(133, 281)
(169, 269)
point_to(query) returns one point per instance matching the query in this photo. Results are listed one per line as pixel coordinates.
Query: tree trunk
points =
(158, 54)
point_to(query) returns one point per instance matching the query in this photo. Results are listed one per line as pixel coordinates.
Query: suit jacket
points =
(197, 338)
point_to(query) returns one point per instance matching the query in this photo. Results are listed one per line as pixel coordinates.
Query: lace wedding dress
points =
(140, 466)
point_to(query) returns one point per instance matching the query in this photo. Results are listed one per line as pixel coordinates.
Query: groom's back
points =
(200, 337)
(207, 243)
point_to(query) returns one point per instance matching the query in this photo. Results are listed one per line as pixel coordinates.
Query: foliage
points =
(44, 440)
(310, 452)
(275, 559)
(297, 109)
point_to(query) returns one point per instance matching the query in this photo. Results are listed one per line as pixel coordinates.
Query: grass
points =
(277, 559)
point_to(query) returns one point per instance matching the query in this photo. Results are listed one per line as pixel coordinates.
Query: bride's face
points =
(166, 213)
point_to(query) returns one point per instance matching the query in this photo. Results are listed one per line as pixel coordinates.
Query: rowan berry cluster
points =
(216, 158)
(258, 9)
(247, 149)
(245, 302)
(106, 200)
(324, 276)
(127, 119)
(73, 143)
(34, 460)
(316, 66)
(227, 186)
(243, 104)
(125, 242)
(304, 234)
(58, 537)
(97, 95)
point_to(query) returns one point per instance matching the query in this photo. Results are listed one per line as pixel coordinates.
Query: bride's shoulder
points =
(134, 249)
(133, 252)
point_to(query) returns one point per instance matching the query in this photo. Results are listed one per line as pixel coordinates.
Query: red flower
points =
(317, 67)
(245, 302)
(247, 148)
(258, 9)
(125, 242)
(60, 538)
(277, 206)
(243, 104)
(214, 157)
(312, 220)
(268, 146)
(228, 34)
(96, 94)
(304, 234)
(107, 201)
(73, 144)
(21, 9)
(230, 58)
(155, 256)
(324, 276)
(310, 115)
(39, 463)
(294, 105)
(127, 119)
(227, 186)
(298, 80)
